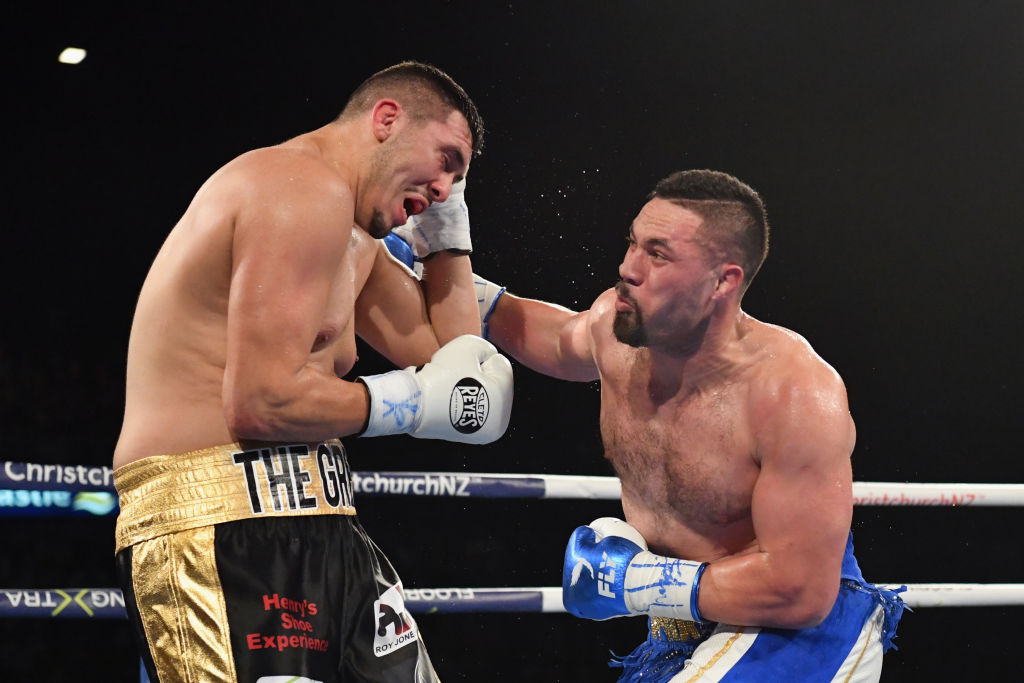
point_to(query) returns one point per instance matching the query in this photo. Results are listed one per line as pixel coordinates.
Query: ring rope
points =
(18, 477)
(108, 603)
(37, 480)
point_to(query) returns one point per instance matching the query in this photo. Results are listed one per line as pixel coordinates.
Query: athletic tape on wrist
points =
(663, 586)
(395, 402)
(487, 295)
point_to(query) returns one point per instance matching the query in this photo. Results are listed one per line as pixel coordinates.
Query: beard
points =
(381, 171)
(380, 225)
(628, 327)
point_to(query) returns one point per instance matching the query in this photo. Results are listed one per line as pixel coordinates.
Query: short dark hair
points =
(734, 224)
(419, 88)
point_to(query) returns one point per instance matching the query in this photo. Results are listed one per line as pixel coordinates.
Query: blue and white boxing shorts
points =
(847, 646)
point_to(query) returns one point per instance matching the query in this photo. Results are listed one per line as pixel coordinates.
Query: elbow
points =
(249, 415)
(806, 606)
(245, 422)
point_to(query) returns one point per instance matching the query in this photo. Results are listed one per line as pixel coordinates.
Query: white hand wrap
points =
(442, 227)
(487, 295)
(663, 586)
(395, 400)
(655, 585)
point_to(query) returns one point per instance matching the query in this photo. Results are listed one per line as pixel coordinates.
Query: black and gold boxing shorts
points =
(249, 565)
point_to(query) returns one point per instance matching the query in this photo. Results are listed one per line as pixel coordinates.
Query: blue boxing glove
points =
(594, 573)
(608, 572)
(401, 250)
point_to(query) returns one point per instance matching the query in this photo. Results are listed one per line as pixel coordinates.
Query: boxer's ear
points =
(730, 279)
(384, 118)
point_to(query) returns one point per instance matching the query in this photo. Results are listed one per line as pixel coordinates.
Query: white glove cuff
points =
(395, 403)
(663, 586)
(444, 226)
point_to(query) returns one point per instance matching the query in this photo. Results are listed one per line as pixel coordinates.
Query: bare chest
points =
(335, 343)
(691, 458)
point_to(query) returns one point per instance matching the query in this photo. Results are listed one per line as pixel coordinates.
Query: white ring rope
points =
(108, 603)
(28, 476)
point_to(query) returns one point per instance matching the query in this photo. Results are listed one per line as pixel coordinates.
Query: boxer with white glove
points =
(463, 394)
(609, 572)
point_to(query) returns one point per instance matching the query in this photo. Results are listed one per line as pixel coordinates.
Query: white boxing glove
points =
(463, 394)
(444, 226)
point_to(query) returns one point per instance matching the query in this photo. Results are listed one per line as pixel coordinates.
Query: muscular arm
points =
(545, 337)
(802, 506)
(450, 296)
(286, 253)
(392, 315)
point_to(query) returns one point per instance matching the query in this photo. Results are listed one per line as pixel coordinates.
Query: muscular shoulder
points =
(281, 190)
(281, 175)
(791, 382)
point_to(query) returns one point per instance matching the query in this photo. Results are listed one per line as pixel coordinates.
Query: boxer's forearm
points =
(544, 337)
(310, 406)
(450, 296)
(752, 590)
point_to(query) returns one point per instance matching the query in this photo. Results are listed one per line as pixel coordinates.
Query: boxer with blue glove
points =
(732, 442)
(608, 572)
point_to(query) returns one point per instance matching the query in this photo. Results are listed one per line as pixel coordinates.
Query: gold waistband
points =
(164, 494)
(678, 630)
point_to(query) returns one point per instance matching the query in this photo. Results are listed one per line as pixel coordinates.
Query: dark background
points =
(884, 137)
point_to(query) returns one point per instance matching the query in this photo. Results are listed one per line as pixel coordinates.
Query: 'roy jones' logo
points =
(394, 627)
(469, 405)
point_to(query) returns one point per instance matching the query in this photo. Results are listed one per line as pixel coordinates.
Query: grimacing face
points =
(415, 167)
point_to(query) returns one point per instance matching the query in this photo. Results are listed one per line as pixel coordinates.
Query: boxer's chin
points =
(379, 226)
(628, 328)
